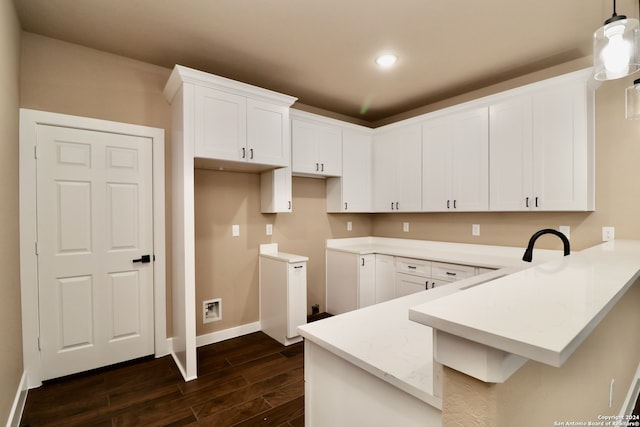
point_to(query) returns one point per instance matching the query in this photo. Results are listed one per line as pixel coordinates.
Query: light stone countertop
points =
(381, 339)
(542, 313)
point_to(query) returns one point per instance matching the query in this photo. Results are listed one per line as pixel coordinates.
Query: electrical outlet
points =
(211, 310)
(405, 227)
(235, 230)
(608, 233)
(349, 226)
(269, 229)
(475, 229)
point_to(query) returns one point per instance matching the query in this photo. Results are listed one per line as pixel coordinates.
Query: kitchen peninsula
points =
(377, 363)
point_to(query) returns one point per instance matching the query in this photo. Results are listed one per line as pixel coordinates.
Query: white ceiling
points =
(323, 51)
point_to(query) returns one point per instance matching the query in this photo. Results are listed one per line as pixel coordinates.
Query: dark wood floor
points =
(247, 381)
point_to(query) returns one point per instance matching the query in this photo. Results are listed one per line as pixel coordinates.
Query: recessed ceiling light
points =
(386, 61)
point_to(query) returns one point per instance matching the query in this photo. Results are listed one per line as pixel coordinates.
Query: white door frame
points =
(29, 119)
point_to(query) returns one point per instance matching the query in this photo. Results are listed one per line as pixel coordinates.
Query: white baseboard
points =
(218, 336)
(18, 403)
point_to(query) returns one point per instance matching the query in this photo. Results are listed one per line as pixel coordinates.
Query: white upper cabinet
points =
(316, 147)
(352, 191)
(397, 169)
(455, 162)
(542, 148)
(237, 128)
(231, 124)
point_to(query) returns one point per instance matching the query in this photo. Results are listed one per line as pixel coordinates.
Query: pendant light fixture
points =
(616, 52)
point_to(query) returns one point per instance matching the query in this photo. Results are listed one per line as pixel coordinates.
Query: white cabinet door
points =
(437, 164)
(470, 167)
(341, 281)
(511, 155)
(455, 162)
(296, 298)
(276, 191)
(316, 148)
(220, 124)
(397, 170)
(407, 284)
(385, 278)
(560, 153)
(268, 133)
(366, 280)
(352, 191)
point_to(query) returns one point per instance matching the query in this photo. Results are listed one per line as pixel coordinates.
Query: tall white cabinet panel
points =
(397, 169)
(212, 119)
(455, 162)
(352, 191)
(542, 148)
(316, 147)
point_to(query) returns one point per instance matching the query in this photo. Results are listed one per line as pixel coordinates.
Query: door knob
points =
(143, 259)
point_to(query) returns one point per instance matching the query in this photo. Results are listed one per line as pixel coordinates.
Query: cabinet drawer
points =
(451, 272)
(416, 267)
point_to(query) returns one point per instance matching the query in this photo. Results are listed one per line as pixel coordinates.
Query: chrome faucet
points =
(528, 254)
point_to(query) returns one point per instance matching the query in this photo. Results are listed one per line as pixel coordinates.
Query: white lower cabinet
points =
(283, 296)
(351, 281)
(359, 280)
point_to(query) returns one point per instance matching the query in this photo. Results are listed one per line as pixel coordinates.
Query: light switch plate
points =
(269, 229)
(608, 233)
(405, 227)
(475, 229)
(349, 226)
(235, 230)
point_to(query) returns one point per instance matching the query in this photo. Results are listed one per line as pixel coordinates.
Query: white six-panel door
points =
(94, 218)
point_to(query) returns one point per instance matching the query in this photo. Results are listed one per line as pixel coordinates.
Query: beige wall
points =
(227, 267)
(10, 320)
(539, 395)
